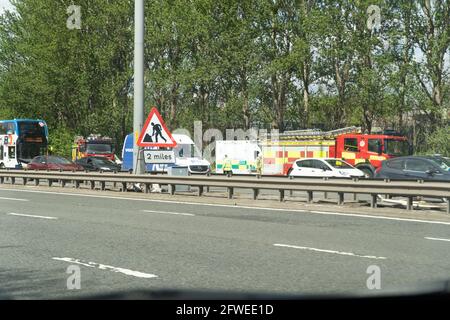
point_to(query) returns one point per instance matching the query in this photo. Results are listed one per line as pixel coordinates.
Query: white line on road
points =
(31, 216)
(13, 199)
(328, 251)
(176, 213)
(437, 239)
(107, 268)
(356, 215)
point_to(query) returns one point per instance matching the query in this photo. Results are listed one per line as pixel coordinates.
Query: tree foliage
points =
(231, 64)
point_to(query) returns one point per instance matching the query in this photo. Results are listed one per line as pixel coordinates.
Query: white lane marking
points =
(328, 251)
(13, 199)
(176, 213)
(379, 217)
(233, 206)
(108, 268)
(31, 216)
(437, 239)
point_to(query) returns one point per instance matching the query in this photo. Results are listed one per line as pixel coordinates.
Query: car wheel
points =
(368, 174)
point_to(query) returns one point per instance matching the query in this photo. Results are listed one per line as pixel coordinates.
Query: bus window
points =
(10, 128)
(12, 152)
(1, 152)
(3, 128)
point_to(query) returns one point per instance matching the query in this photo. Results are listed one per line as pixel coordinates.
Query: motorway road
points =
(127, 243)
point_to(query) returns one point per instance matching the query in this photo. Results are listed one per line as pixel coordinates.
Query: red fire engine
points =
(364, 151)
(93, 146)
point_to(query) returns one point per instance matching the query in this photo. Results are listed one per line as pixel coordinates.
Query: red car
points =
(53, 163)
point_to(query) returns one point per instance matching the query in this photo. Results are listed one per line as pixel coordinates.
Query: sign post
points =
(155, 133)
(138, 111)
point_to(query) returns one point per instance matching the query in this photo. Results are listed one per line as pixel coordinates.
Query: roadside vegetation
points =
(232, 64)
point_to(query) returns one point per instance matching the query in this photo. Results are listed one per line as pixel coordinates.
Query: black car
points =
(101, 164)
(412, 167)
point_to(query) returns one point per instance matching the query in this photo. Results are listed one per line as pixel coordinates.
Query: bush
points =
(438, 142)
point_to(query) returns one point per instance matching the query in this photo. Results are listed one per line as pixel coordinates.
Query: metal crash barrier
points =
(374, 188)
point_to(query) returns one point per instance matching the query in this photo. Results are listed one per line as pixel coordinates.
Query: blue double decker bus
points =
(21, 140)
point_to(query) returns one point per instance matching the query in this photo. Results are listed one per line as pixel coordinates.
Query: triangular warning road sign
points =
(155, 133)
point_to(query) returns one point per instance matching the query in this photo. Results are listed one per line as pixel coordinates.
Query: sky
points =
(4, 4)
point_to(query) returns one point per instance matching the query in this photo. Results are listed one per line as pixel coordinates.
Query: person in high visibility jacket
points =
(227, 169)
(258, 164)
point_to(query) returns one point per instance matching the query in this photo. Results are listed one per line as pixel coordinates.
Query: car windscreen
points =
(58, 160)
(102, 161)
(339, 164)
(441, 162)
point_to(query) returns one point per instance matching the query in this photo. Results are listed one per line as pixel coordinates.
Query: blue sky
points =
(4, 4)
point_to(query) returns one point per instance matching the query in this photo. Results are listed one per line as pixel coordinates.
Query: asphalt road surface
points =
(121, 243)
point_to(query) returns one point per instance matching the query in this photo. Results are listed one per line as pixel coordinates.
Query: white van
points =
(186, 155)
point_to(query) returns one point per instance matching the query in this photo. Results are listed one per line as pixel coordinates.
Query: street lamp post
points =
(138, 111)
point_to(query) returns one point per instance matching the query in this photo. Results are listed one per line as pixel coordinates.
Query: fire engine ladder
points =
(314, 134)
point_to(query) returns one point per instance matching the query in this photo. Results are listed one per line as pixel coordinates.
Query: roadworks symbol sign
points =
(155, 132)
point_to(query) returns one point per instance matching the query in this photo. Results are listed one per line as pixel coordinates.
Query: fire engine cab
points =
(93, 146)
(364, 151)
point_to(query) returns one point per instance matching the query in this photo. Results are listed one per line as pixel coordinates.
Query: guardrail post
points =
(281, 196)
(36, 182)
(255, 194)
(147, 188)
(309, 198)
(92, 185)
(355, 197)
(200, 191)
(63, 183)
(171, 189)
(373, 200)
(325, 195)
(77, 184)
(448, 205)
(409, 203)
(103, 185)
(13, 180)
(124, 187)
(24, 181)
(340, 198)
(50, 182)
(2, 180)
(230, 192)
